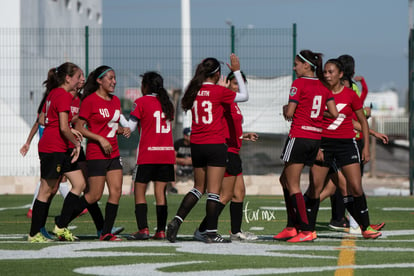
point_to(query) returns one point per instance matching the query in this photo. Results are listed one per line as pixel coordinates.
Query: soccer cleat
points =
(63, 234)
(314, 235)
(378, 226)
(243, 236)
(339, 225)
(109, 237)
(29, 213)
(215, 238)
(38, 238)
(160, 235)
(304, 236)
(370, 233)
(83, 212)
(172, 229)
(117, 230)
(200, 236)
(141, 235)
(287, 233)
(45, 233)
(114, 231)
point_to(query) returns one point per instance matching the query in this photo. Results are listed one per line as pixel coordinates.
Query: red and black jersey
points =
(208, 123)
(156, 144)
(311, 97)
(234, 119)
(347, 102)
(74, 110)
(52, 140)
(102, 117)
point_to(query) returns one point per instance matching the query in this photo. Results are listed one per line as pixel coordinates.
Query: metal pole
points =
(233, 39)
(294, 36)
(411, 108)
(86, 51)
(186, 53)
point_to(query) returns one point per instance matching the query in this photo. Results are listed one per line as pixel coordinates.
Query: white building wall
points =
(24, 66)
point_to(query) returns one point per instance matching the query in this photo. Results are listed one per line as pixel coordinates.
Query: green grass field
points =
(332, 253)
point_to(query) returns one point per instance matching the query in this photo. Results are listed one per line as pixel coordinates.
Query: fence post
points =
(294, 50)
(373, 151)
(410, 107)
(233, 39)
(86, 51)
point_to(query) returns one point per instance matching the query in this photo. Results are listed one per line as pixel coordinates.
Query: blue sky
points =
(375, 32)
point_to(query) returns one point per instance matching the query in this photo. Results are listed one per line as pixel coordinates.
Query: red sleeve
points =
(85, 108)
(137, 111)
(294, 93)
(364, 92)
(356, 102)
(228, 96)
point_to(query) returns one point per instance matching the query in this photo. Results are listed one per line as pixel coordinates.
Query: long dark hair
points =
(207, 68)
(154, 83)
(315, 60)
(91, 85)
(348, 63)
(338, 65)
(56, 76)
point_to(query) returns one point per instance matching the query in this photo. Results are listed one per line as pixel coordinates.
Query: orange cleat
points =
(304, 236)
(378, 226)
(287, 233)
(370, 233)
(29, 213)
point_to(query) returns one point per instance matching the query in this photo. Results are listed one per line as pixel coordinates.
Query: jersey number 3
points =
(159, 128)
(208, 117)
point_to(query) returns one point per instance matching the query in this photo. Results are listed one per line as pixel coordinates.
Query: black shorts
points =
(155, 172)
(300, 150)
(204, 155)
(234, 164)
(360, 144)
(342, 152)
(99, 167)
(55, 164)
(82, 157)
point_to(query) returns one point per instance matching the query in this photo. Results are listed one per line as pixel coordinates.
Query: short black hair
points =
(231, 75)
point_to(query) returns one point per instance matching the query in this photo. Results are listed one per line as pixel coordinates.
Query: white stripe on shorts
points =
(288, 149)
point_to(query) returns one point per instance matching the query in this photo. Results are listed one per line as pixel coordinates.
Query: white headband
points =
(307, 61)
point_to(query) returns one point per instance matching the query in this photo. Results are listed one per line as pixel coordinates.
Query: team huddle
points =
(329, 132)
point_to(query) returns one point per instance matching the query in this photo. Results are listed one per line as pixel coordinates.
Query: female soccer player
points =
(205, 99)
(338, 144)
(153, 112)
(307, 100)
(233, 188)
(100, 111)
(56, 159)
(338, 221)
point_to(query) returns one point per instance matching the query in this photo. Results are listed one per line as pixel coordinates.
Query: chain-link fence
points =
(26, 55)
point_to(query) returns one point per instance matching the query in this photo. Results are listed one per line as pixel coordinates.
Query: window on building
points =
(99, 18)
(79, 7)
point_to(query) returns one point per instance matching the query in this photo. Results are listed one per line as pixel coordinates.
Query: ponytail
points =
(314, 60)
(205, 69)
(154, 83)
(56, 76)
